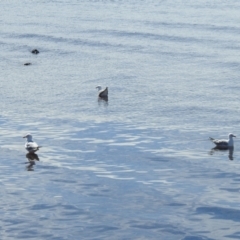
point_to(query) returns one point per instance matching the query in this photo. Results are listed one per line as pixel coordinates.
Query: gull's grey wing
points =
(31, 146)
(220, 143)
(103, 93)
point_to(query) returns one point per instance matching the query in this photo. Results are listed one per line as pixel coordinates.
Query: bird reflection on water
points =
(230, 152)
(103, 101)
(31, 160)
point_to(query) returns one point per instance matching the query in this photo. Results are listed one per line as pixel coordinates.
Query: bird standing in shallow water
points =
(102, 93)
(30, 145)
(224, 144)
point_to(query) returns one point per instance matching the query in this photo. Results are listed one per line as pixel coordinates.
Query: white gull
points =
(30, 145)
(224, 143)
(102, 93)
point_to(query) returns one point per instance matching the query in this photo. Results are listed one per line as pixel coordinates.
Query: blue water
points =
(140, 165)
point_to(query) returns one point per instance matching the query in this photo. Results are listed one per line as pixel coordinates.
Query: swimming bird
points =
(224, 144)
(30, 145)
(102, 93)
(35, 51)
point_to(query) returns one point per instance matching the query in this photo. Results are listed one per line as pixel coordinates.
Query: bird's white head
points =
(231, 135)
(99, 87)
(28, 137)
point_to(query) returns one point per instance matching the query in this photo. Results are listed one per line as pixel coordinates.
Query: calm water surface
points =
(139, 166)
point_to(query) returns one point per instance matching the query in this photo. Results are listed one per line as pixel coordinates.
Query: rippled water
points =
(140, 165)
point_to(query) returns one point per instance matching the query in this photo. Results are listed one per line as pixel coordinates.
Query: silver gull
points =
(102, 93)
(30, 145)
(224, 143)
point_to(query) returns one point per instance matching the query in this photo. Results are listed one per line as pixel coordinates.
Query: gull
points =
(30, 145)
(224, 144)
(102, 93)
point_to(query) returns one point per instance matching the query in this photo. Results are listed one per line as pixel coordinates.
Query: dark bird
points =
(35, 51)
